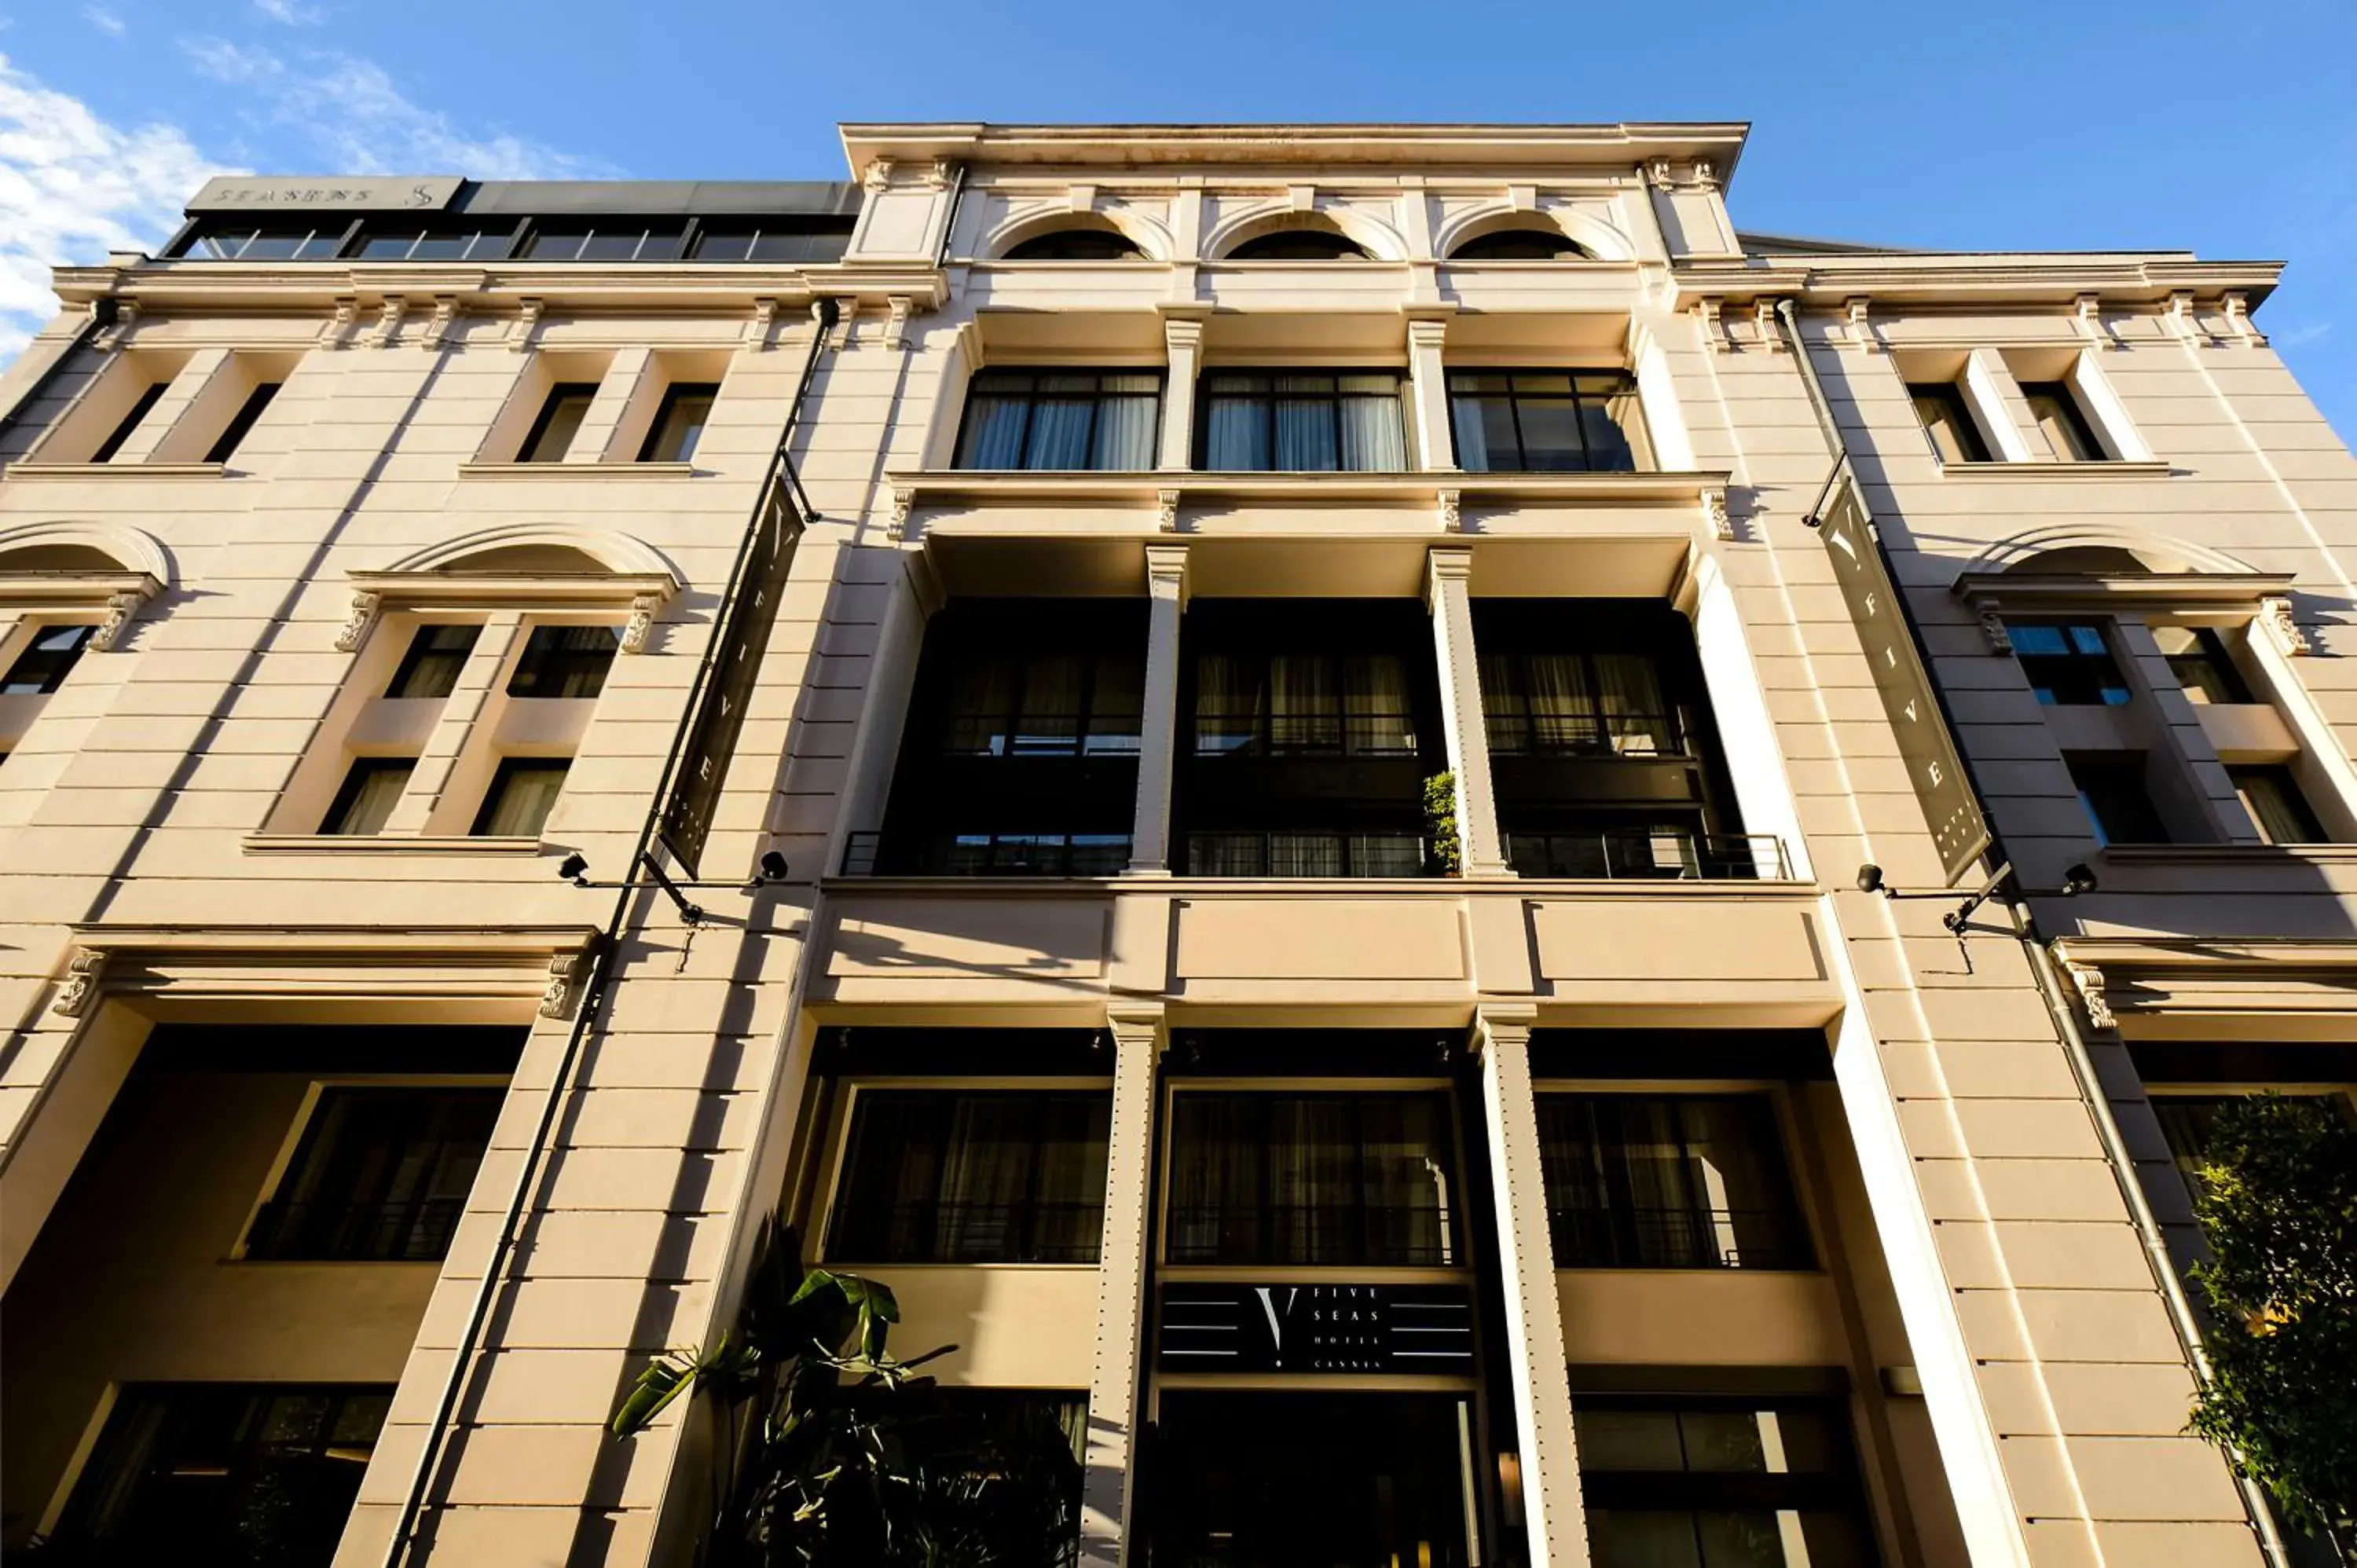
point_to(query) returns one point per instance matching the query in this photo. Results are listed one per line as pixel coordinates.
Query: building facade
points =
(1322, 764)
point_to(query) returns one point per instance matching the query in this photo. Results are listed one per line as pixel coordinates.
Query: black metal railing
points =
(931, 1230)
(1666, 854)
(1227, 853)
(1312, 1235)
(1255, 732)
(1629, 735)
(415, 1231)
(987, 855)
(1042, 735)
(1630, 1238)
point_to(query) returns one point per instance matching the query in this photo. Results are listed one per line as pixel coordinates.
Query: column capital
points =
(1445, 565)
(1182, 334)
(1137, 1024)
(1506, 1025)
(1428, 332)
(1166, 572)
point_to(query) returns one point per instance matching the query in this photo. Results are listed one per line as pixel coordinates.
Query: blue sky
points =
(2221, 126)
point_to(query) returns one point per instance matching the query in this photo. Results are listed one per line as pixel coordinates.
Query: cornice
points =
(1969, 278)
(312, 285)
(2111, 592)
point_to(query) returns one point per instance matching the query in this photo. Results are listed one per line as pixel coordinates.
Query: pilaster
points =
(456, 723)
(1182, 340)
(1551, 1510)
(1447, 595)
(1166, 590)
(1111, 1462)
(1429, 384)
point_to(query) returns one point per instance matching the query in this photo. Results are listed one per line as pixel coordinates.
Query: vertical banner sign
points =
(742, 639)
(1933, 767)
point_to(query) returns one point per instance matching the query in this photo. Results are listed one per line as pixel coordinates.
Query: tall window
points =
(2197, 658)
(233, 434)
(431, 666)
(679, 422)
(2187, 1122)
(1046, 703)
(149, 396)
(564, 662)
(1365, 1179)
(46, 660)
(1685, 1181)
(2117, 799)
(2062, 425)
(1303, 422)
(523, 791)
(382, 1174)
(1948, 420)
(2067, 663)
(1539, 704)
(559, 420)
(1703, 1482)
(2271, 795)
(1062, 420)
(364, 803)
(261, 1474)
(972, 1177)
(1547, 421)
(1279, 704)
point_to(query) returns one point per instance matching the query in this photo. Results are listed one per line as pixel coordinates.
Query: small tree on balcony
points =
(2277, 1201)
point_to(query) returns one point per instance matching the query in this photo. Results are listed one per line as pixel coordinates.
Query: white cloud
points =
(104, 20)
(2299, 335)
(289, 11)
(73, 188)
(352, 118)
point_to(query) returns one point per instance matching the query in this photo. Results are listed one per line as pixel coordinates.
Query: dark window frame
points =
(2080, 429)
(2208, 655)
(44, 670)
(658, 428)
(586, 231)
(321, 241)
(1621, 1233)
(559, 393)
(486, 241)
(349, 794)
(1637, 444)
(503, 779)
(242, 422)
(360, 1145)
(1952, 402)
(772, 239)
(1268, 399)
(2308, 827)
(561, 654)
(2112, 791)
(141, 407)
(421, 648)
(2078, 675)
(998, 384)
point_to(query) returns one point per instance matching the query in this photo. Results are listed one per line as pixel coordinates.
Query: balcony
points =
(1650, 854)
(987, 855)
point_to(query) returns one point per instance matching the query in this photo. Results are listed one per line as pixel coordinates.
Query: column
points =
(1111, 1464)
(1428, 386)
(1447, 596)
(1556, 1523)
(1182, 341)
(1166, 588)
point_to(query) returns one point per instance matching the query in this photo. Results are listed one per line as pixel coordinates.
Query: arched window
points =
(1518, 245)
(1300, 245)
(1077, 245)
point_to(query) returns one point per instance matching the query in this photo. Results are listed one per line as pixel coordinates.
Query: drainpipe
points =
(780, 471)
(2256, 1507)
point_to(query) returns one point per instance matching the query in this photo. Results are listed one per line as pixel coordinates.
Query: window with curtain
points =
(1538, 705)
(2060, 422)
(1363, 1179)
(1305, 852)
(972, 1177)
(1948, 422)
(364, 803)
(1062, 420)
(1695, 1482)
(1303, 422)
(2272, 796)
(261, 1474)
(1079, 703)
(2197, 658)
(1548, 421)
(522, 793)
(380, 1173)
(1668, 1181)
(567, 662)
(1281, 705)
(431, 665)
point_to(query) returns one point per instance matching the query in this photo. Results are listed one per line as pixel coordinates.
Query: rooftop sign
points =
(339, 193)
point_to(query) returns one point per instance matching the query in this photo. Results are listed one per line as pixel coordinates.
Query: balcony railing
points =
(988, 855)
(1225, 854)
(416, 1232)
(1637, 852)
(1590, 733)
(1630, 1238)
(928, 1230)
(1042, 735)
(1339, 1234)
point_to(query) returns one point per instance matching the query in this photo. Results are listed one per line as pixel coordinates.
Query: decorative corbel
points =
(1705, 177)
(1658, 173)
(896, 320)
(446, 313)
(2238, 320)
(337, 332)
(1166, 510)
(1763, 319)
(1715, 513)
(2179, 318)
(878, 176)
(902, 500)
(85, 970)
(566, 973)
(846, 313)
(527, 322)
(1523, 198)
(937, 177)
(365, 605)
(388, 320)
(1861, 325)
(120, 608)
(2089, 983)
(126, 318)
(2087, 310)
(757, 325)
(2275, 619)
(1998, 635)
(641, 622)
(1452, 510)
(1714, 330)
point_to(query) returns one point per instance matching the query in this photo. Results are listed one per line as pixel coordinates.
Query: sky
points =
(2218, 126)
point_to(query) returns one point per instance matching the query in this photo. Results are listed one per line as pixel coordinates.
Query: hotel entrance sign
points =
(1933, 767)
(1323, 1327)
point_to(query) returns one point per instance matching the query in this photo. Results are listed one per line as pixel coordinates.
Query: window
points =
(1067, 420)
(624, 239)
(372, 789)
(1077, 245)
(1046, 703)
(2060, 422)
(1303, 422)
(1305, 852)
(1685, 1181)
(1277, 705)
(564, 662)
(1547, 421)
(148, 398)
(1363, 1180)
(1718, 1484)
(232, 240)
(1299, 245)
(397, 242)
(2276, 806)
(2199, 659)
(226, 446)
(972, 1177)
(2117, 800)
(380, 1175)
(436, 655)
(559, 420)
(1948, 420)
(2186, 1120)
(1517, 246)
(2069, 664)
(770, 241)
(523, 792)
(262, 1475)
(1542, 704)
(679, 422)
(47, 660)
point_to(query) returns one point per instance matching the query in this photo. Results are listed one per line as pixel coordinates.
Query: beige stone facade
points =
(280, 867)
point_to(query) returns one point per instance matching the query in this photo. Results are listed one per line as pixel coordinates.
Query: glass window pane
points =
(46, 660)
(992, 436)
(725, 244)
(387, 247)
(556, 244)
(1236, 435)
(1552, 442)
(567, 662)
(1374, 441)
(559, 420)
(522, 793)
(1061, 430)
(370, 791)
(1608, 451)
(679, 422)
(619, 244)
(431, 666)
(1129, 428)
(972, 1177)
(1469, 419)
(1306, 439)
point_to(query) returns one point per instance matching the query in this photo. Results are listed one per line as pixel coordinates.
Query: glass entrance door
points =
(1311, 1480)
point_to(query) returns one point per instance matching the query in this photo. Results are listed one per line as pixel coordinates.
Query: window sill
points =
(577, 470)
(386, 843)
(2285, 855)
(924, 489)
(2107, 468)
(29, 470)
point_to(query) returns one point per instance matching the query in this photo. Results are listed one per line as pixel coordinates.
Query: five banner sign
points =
(1322, 1327)
(1942, 788)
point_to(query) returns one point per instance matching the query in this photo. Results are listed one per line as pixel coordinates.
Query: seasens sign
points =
(1323, 1327)
(343, 193)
